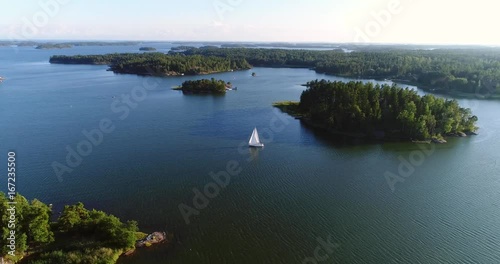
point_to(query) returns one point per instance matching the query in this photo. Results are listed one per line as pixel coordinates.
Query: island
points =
(53, 46)
(204, 86)
(147, 49)
(158, 64)
(61, 45)
(379, 112)
(464, 72)
(182, 48)
(89, 236)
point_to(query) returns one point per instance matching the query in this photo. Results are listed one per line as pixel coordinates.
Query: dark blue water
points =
(300, 187)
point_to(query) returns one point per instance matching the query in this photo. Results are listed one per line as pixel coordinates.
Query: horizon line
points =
(251, 41)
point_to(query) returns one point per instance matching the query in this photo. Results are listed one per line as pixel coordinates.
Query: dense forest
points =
(462, 71)
(157, 64)
(204, 86)
(381, 111)
(78, 236)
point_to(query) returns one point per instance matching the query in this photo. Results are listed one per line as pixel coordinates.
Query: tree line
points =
(157, 64)
(467, 70)
(204, 86)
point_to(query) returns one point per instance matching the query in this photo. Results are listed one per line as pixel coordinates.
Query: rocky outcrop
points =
(439, 141)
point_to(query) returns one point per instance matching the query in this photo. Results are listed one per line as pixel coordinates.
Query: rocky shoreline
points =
(149, 240)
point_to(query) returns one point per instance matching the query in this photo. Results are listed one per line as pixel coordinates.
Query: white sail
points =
(254, 139)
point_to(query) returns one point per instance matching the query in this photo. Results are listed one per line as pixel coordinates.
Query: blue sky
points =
(378, 21)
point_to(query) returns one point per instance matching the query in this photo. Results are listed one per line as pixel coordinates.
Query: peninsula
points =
(158, 64)
(53, 46)
(89, 236)
(380, 112)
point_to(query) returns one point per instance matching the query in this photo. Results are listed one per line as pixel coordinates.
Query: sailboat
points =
(254, 140)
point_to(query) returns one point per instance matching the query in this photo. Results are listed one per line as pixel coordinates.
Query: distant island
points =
(380, 112)
(157, 64)
(89, 236)
(54, 46)
(65, 45)
(204, 86)
(181, 48)
(147, 49)
(466, 72)
(61, 45)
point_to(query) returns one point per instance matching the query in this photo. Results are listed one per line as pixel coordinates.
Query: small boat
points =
(254, 140)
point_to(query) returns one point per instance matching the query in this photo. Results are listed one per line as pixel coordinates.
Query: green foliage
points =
(204, 86)
(78, 236)
(87, 256)
(38, 223)
(157, 64)
(72, 217)
(54, 46)
(107, 229)
(31, 225)
(289, 107)
(468, 71)
(357, 107)
(471, 71)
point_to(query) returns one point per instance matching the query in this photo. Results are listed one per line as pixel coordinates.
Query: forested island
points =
(469, 71)
(147, 49)
(380, 112)
(182, 48)
(158, 64)
(78, 235)
(204, 86)
(54, 46)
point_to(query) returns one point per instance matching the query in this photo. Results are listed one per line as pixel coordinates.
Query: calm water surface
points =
(299, 188)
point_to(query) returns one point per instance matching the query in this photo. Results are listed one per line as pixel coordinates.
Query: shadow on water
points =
(337, 140)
